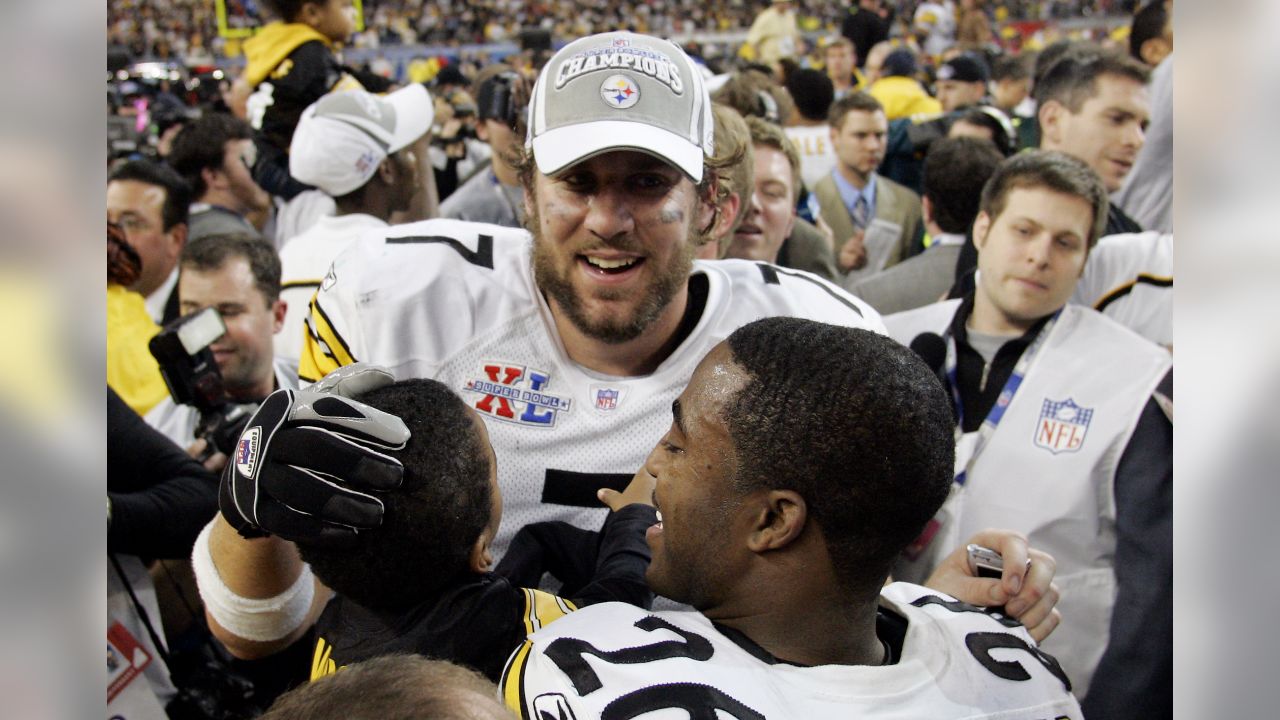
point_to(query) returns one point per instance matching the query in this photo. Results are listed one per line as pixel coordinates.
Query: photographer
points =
(493, 195)
(239, 276)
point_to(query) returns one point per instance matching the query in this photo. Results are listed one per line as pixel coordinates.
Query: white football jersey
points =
(456, 301)
(617, 661)
(1129, 278)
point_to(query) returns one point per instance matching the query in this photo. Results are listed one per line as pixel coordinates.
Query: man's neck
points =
(257, 392)
(839, 631)
(224, 200)
(639, 356)
(853, 176)
(988, 319)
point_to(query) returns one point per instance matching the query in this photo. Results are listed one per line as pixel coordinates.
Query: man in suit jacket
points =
(853, 195)
(955, 171)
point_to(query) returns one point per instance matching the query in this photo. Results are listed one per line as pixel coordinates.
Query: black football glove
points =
(307, 461)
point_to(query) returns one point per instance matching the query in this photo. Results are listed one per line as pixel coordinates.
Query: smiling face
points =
(772, 214)
(694, 553)
(244, 352)
(1107, 132)
(614, 240)
(1029, 258)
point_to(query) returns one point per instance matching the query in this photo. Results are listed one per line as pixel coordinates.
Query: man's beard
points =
(658, 295)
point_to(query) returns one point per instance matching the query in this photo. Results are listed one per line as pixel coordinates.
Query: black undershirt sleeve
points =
(1135, 676)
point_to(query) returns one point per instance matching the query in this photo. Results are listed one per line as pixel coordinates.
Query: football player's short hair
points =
(432, 521)
(812, 92)
(393, 687)
(856, 424)
(1050, 170)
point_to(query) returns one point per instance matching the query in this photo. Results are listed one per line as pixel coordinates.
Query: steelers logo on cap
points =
(620, 92)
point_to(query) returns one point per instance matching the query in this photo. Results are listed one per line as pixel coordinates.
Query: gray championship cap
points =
(620, 91)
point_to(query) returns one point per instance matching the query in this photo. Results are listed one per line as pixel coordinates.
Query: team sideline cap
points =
(620, 91)
(343, 137)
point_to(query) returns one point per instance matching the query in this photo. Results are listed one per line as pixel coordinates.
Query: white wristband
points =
(257, 619)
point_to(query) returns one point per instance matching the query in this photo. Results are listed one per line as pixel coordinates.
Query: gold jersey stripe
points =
(512, 689)
(323, 349)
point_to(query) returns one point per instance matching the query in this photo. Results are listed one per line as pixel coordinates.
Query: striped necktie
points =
(860, 213)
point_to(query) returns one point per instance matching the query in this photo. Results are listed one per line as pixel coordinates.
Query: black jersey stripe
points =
(771, 273)
(1125, 289)
(576, 489)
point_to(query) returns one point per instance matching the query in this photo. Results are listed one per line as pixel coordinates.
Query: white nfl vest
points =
(1049, 469)
(618, 661)
(456, 301)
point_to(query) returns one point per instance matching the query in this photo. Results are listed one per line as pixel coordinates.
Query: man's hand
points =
(853, 255)
(1028, 595)
(216, 460)
(307, 460)
(638, 492)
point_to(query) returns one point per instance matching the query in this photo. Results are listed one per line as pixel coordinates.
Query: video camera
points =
(193, 378)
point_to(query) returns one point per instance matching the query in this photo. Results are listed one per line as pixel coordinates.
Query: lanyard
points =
(996, 414)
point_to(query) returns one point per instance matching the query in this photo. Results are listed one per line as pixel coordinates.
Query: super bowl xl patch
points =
(516, 393)
(1062, 426)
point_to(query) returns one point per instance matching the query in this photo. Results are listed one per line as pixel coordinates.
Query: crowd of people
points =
(629, 379)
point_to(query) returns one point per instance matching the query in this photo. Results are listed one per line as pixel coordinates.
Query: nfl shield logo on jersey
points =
(1062, 426)
(606, 399)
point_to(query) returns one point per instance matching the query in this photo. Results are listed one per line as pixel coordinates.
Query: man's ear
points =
(926, 209)
(779, 519)
(728, 212)
(981, 226)
(213, 177)
(1051, 116)
(481, 558)
(387, 170)
(309, 13)
(278, 311)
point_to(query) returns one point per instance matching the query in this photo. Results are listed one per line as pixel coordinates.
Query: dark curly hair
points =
(433, 520)
(855, 423)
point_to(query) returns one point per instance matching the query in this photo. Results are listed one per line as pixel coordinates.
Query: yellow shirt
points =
(132, 371)
(903, 97)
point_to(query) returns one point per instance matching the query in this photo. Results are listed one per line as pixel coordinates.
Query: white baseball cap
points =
(620, 91)
(342, 138)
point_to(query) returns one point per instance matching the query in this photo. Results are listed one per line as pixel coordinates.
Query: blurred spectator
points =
(149, 201)
(1011, 85)
(493, 195)
(1147, 194)
(809, 130)
(773, 199)
(773, 35)
(215, 155)
(935, 24)
(839, 58)
(1151, 32)
(973, 27)
(866, 25)
(898, 90)
(962, 81)
(985, 122)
